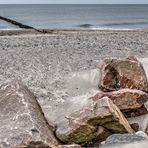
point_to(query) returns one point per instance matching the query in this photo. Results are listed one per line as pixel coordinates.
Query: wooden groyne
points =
(20, 25)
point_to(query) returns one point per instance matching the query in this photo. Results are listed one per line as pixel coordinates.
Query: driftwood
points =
(20, 24)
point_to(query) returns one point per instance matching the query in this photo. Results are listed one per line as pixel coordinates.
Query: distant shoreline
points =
(52, 31)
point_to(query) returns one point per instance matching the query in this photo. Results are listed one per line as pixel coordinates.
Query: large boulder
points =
(129, 101)
(22, 122)
(84, 125)
(122, 73)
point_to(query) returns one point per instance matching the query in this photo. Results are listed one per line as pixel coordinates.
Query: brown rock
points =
(122, 73)
(129, 101)
(83, 126)
(136, 112)
(110, 117)
(135, 126)
(22, 122)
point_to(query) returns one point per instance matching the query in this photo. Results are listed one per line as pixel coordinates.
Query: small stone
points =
(142, 134)
(122, 73)
(135, 126)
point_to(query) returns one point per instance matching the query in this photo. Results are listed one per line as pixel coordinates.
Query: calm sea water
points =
(77, 16)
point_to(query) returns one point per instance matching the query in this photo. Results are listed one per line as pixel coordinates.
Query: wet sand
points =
(60, 66)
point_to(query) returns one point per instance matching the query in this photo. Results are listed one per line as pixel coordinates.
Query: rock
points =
(136, 112)
(142, 134)
(135, 126)
(141, 144)
(22, 122)
(129, 101)
(72, 132)
(84, 125)
(117, 139)
(108, 115)
(122, 73)
(101, 134)
(70, 146)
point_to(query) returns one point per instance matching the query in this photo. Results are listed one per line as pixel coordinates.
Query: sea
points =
(99, 17)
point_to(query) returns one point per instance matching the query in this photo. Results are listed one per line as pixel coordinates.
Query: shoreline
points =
(11, 32)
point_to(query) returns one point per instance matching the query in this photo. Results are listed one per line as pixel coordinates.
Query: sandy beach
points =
(49, 63)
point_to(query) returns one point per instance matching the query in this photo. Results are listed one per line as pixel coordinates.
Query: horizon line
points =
(77, 3)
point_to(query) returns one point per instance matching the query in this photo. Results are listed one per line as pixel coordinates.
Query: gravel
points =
(47, 63)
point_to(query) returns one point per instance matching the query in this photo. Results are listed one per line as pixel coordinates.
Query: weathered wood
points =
(20, 24)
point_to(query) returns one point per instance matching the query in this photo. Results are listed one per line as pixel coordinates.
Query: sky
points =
(73, 1)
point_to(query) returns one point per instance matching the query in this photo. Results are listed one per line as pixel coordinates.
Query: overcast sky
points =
(74, 1)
